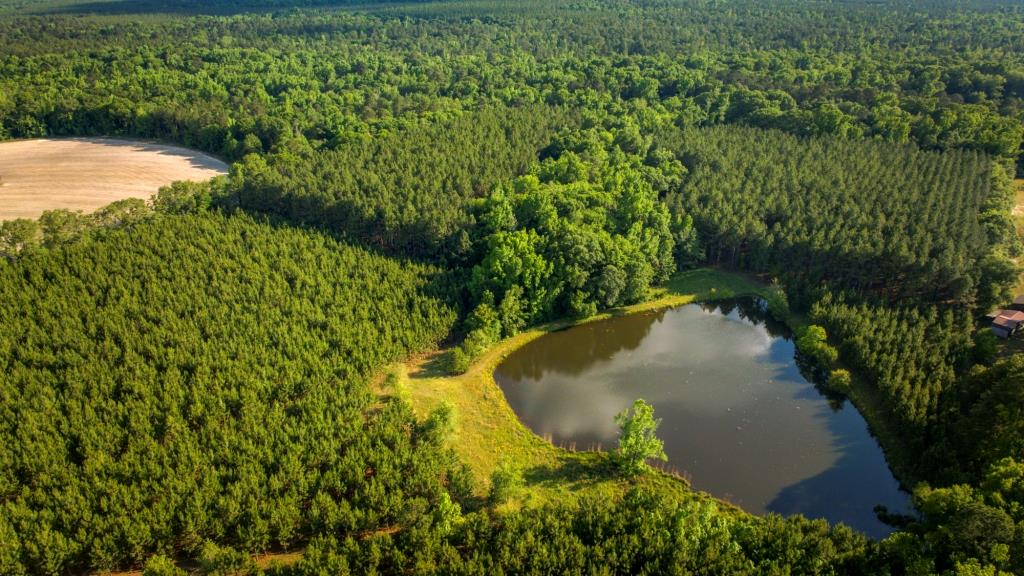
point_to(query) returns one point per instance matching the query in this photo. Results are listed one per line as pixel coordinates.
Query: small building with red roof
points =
(1006, 323)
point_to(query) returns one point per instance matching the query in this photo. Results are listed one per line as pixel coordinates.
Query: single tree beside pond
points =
(812, 345)
(637, 440)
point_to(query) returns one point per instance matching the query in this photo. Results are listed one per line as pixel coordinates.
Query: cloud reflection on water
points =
(737, 414)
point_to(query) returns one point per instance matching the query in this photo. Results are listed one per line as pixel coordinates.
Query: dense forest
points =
(203, 377)
(190, 377)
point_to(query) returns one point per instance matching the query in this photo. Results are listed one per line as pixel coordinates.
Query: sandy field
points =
(89, 173)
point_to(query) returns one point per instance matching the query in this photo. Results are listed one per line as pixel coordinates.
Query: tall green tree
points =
(637, 439)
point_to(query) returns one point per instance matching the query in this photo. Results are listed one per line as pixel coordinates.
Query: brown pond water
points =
(738, 417)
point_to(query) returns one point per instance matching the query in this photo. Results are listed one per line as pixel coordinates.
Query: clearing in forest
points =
(1018, 220)
(89, 173)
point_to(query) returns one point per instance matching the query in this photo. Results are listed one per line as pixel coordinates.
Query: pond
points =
(738, 417)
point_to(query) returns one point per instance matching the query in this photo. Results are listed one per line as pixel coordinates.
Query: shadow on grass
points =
(435, 366)
(572, 471)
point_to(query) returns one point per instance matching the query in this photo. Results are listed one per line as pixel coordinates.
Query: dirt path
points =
(89, 173)
(1018, 221)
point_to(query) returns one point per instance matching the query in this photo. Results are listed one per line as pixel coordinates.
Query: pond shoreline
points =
(740, 412)
(489, 432)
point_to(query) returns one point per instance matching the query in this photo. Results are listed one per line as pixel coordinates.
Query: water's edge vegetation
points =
(487, 435)
(489, 430)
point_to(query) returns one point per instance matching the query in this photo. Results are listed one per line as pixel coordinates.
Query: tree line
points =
(259, 81)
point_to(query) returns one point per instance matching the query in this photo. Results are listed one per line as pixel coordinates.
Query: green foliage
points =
(985, 421)
(203, 377)
(513, 259)
(186, 197)
(909, 353)
(560, 158)
(778, 303)
(472, 347)
(439, 426)
(485, 319)
(640, 533)
(232, 86)
(405, 192)
(447, 515)
(839, 380)
(970, 529)
(507, 483)
(986, 347)
(160, 565)
(688, 250)
(961, 526)
(812, 344)
(881, 220)
(121, 213)
(18, 235)
(62, 226)
(217, 560)
(58, 227)
(973, 567)
(458, 361)
(512, 311)
(637, 440)
(572, 238)
(999, 275)
(1004, 486)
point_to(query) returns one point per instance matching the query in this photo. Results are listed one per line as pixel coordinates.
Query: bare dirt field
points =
(89, 173)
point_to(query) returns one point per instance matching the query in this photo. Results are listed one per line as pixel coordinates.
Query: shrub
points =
(839, 380)
(778, 304)
(161, 565)
(458, 361)
(475, 344)
(812, 344)
(225, 561)
(439, 425)
(637, 441)
(506, 483)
